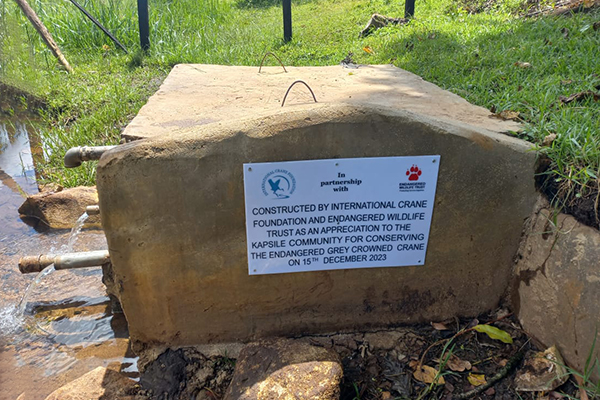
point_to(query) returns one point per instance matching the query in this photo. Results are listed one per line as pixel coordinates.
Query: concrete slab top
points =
(199, 94)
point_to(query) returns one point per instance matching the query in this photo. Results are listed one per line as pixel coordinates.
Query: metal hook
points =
(274, 55)
(290, 88)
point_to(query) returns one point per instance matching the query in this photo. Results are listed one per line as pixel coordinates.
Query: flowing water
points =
(63, 327)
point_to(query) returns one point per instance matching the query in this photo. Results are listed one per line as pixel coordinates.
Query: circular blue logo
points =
(279, 184)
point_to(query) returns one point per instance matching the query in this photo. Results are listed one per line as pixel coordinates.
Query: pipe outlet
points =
(76, 155)
(31, 264)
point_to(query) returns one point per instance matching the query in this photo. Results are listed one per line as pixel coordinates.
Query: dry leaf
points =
(521, 64)
(427, 374)
(368, 49)
(541, 371)
(503, 362)
(549, 139)
(508, 114)
(490, 392)
(580, 97)
(386, 395)
(476, 379)
(582, 393)
(413, 364)
(438, 326)
(458, 365)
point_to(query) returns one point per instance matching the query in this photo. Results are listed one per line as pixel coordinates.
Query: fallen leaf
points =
(476, 379)
(549, 139)
(368, 49)
(586, 94)
(507, 115)
(582, 393)
(458, 365)
(427, 374)
(503, 362)
(490, 392)
(541, 371)
(521, 64)
(438, 326)
(413, 364)
(472, 323)
(494, 333)
(386, 395)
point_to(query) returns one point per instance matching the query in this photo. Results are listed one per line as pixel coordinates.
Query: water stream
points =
(56, 326)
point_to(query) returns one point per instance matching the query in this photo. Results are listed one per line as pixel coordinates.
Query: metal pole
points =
(144, 24)
(287, 20)
(409, 9)
(99, 25)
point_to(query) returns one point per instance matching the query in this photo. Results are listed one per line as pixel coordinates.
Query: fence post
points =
(144, 24)
(287, 20)
(409, 9)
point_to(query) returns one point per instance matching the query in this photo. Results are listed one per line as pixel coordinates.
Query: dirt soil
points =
(379, 365)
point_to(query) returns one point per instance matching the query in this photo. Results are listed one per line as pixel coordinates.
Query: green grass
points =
(473, 55)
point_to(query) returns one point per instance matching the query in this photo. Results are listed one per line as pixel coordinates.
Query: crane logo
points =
(279, 184)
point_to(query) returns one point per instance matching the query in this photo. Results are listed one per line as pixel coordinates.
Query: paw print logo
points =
(413, 173)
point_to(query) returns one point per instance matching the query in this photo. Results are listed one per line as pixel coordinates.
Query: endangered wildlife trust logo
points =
(279, 184)
(414, 174)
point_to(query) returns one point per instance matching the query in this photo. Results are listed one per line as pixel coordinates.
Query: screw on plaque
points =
(274, 55)
(292, 85)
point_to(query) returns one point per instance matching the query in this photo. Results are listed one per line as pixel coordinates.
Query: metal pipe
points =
(92, 210)
(31, 264)
(76, 155)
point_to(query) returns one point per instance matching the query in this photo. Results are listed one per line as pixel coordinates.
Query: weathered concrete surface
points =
(197, 94)
(99, 383)
(557, 284)
(60, 210)
(284, 369)
(173, 213)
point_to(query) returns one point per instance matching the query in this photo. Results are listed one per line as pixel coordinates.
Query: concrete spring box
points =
(173, 204)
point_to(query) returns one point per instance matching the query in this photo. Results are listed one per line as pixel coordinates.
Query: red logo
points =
(413, 173)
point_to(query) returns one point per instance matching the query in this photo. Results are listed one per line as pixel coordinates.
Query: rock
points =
(285, 369)
(378, 21)
(541, 371)
(556, 290)
(384, 340)
(59, 210)
(164, 375)
(100, 383)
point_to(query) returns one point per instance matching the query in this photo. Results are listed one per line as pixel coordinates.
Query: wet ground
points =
(68, 328)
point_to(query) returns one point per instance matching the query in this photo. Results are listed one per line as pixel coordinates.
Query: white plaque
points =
(339, 214)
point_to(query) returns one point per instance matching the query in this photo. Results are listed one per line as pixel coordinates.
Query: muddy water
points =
(68, 328)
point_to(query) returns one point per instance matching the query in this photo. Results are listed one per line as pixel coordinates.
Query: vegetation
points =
(482, 50)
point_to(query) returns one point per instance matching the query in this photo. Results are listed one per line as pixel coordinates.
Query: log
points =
(39, 26)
